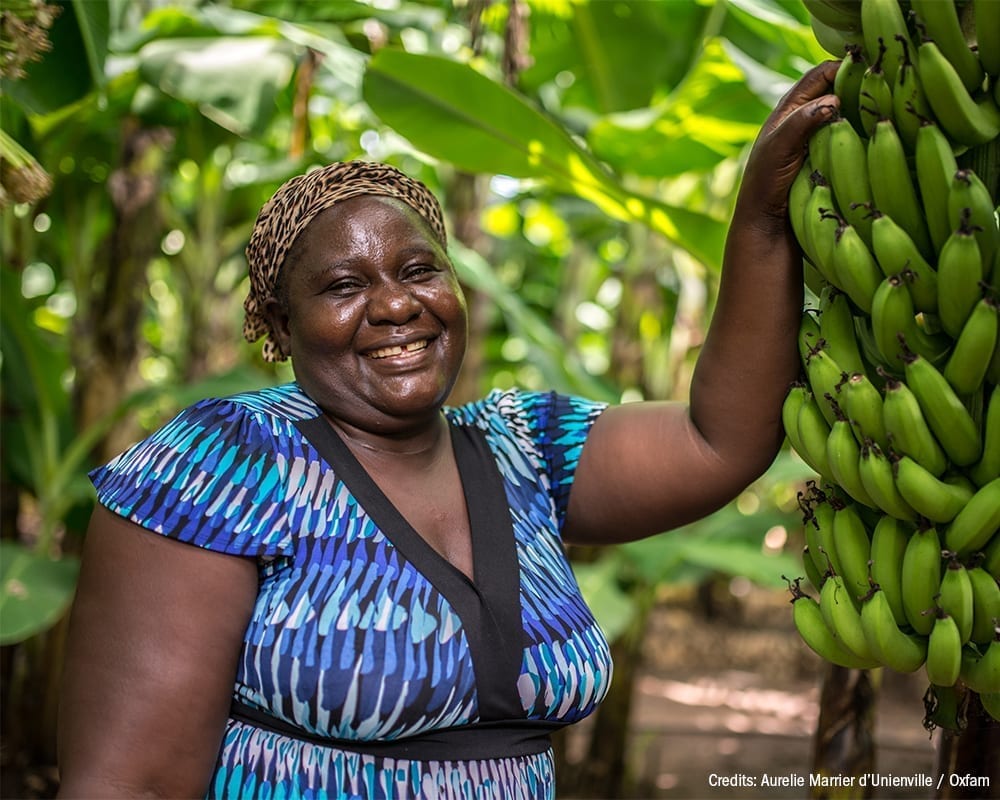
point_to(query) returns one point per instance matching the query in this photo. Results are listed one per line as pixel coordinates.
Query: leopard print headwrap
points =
(294, 206)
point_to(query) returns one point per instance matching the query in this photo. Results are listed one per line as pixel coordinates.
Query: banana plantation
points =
(587, 155)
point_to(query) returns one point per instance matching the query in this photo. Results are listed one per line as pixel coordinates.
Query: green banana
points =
(821, 223)
(818, 528)
(907, 429)
(876, 472)
(878, 366)
(847, 85)
(853, 546)
(863, 403)
(988, 466)
(843, 16)
(813, 575)
(889, 644)
(825, 376)
(842, 617)
(819, 563)
(895, 324)
(889, 539)
(843, 454)
(897, 254)
(909, 103)
(893, 190)
(882, 20)
(921, 576)
(967, 121)
(875, 101)
(981, 670)
(930, 497)
(798, 196)
(856, 270)
(949, 420)
(960, 273)
(836, 325)
(835, 41)
(974, 526)
(966, 367)
(987, 25)
(849, 178)
(985, 605)
(804, 428)
(825, 512)
(940, 22)
(969, 195)
(818, 150)
(935, 165)
(944, 652)
(813, 431)
(808, 620)
(956, 597)
(809, 334)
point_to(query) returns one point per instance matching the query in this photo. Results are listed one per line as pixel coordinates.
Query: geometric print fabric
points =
(353, 635)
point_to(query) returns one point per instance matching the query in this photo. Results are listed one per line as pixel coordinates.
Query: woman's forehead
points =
(368, 216)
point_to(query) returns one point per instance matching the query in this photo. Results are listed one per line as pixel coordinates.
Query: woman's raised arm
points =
(155, 635)
(649, 467)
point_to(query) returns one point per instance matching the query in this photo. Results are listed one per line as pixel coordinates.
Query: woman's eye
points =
(344, 286)
(421, 270)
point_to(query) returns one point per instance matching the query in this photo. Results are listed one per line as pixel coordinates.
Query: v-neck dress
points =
(372, 667)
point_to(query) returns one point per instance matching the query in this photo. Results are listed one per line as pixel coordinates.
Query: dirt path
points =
(723, 701)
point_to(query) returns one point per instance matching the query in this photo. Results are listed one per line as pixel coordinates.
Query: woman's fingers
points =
(812, 89)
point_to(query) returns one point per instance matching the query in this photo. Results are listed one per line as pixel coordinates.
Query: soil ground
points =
(734, 695)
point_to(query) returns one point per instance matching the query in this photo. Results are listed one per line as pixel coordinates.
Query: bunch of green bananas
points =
(898, 405)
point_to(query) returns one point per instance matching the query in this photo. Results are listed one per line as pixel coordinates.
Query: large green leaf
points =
(454, 113)
(711, 116)
(35, 591)
(232, 80)
(618, 55)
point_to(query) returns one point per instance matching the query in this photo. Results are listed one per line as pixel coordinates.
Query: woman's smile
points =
(398, 350)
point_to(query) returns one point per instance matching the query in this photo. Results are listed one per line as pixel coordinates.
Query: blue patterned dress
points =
(371, 667)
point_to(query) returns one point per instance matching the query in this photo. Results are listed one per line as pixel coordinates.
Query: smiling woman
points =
(344, 587)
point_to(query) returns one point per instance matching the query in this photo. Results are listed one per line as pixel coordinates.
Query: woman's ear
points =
(277, 315)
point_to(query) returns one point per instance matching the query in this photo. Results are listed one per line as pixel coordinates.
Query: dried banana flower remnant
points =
(24, 26)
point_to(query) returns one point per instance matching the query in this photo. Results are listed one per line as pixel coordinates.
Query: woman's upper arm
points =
(645, 468)
(155, 635)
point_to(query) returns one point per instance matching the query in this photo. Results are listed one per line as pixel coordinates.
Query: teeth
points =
(397, 350)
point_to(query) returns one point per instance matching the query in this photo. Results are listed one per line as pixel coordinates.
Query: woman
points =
(377, 603)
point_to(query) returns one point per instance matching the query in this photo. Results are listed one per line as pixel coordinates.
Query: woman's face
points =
(374, 318)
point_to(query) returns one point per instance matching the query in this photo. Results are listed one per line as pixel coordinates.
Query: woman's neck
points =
(425, 443)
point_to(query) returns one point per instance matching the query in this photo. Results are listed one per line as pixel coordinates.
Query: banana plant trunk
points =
(968, 755)
(844, 742)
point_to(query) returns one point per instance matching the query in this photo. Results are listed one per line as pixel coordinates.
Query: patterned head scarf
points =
(294, 206)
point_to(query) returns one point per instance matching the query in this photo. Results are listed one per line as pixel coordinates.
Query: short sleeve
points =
(214, 476)
(561, 424)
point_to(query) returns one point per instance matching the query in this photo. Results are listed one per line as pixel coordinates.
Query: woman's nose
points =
(393, 303)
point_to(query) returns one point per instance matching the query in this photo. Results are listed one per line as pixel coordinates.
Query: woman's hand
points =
(780, 147)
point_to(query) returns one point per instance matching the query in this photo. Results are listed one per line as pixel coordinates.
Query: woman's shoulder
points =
(285, 402)
(528, 410)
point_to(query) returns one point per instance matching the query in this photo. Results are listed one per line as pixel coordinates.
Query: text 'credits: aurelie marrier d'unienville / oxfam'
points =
(873, 780)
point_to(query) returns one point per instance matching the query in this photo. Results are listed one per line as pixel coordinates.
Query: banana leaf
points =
(456, 114)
